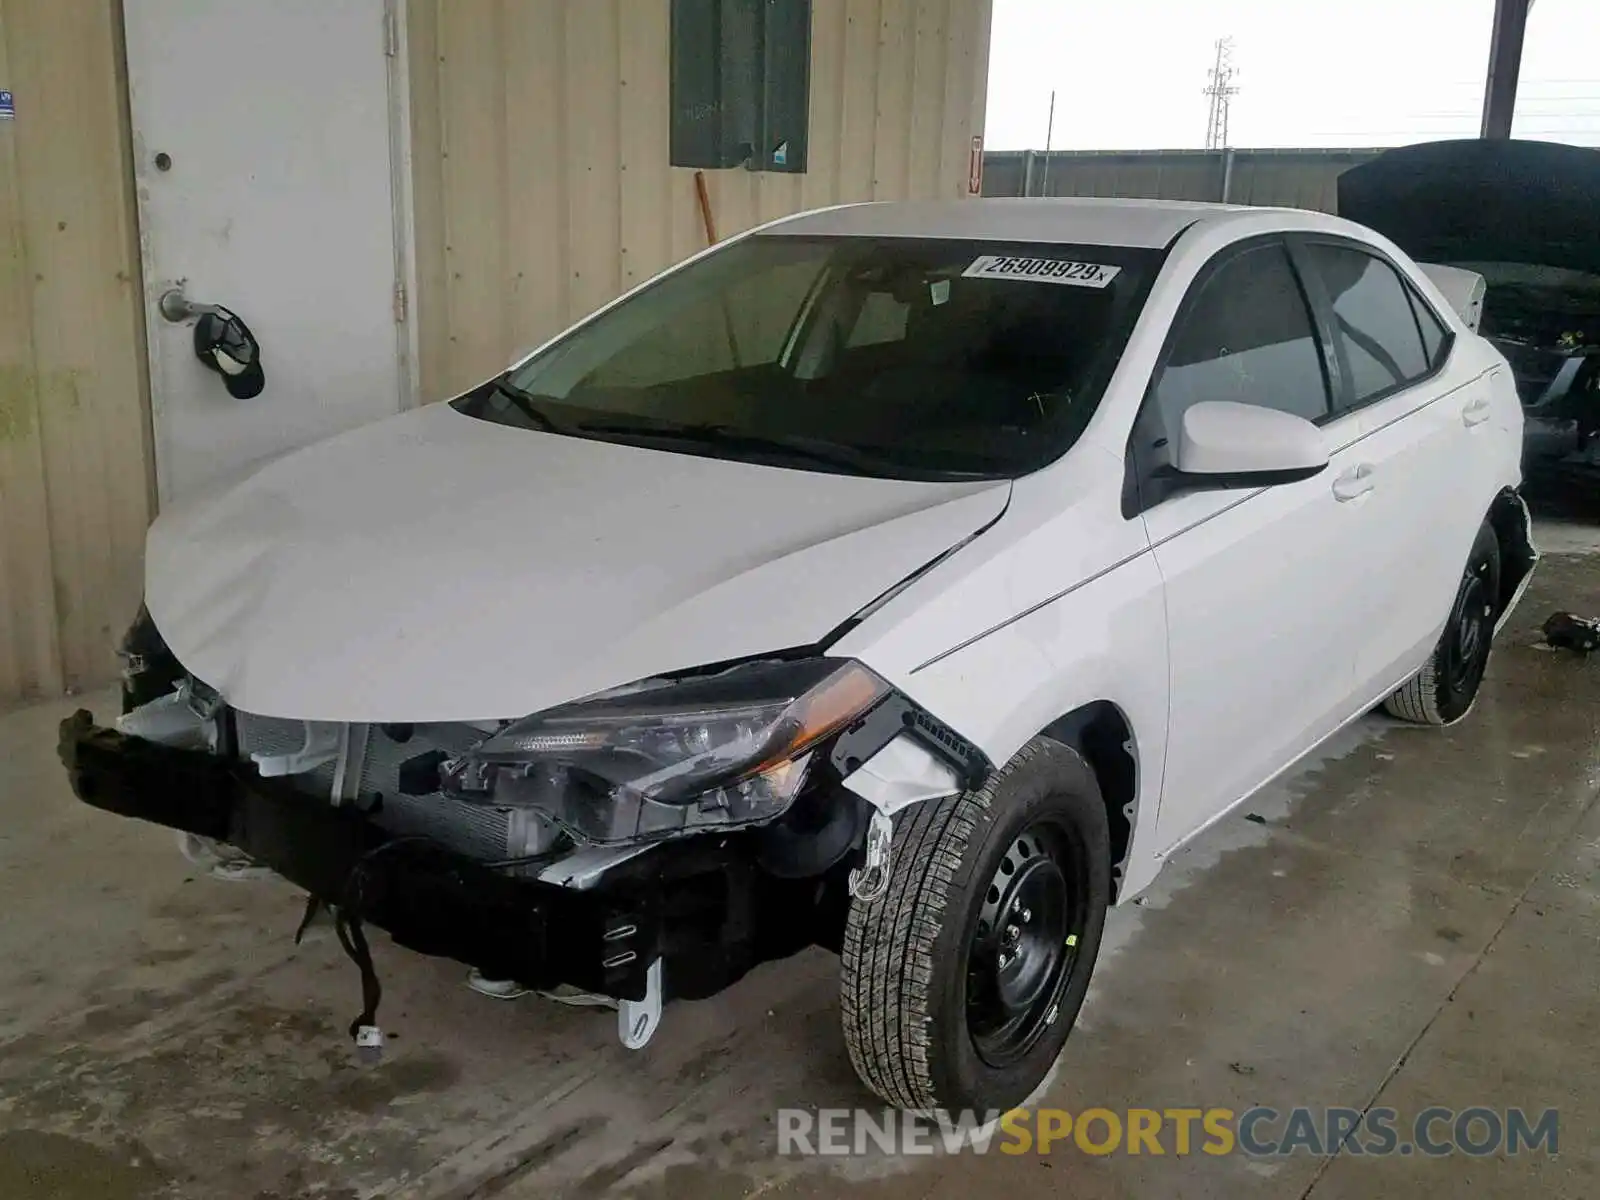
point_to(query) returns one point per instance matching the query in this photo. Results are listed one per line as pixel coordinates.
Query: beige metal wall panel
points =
(645, 218)
(891, 145)
(75, 478)
(541, 130)
(855, 139)
(30, 656)
(472, 105)
(428, 306)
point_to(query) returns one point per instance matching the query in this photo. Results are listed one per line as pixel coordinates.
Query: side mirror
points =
(1225, 444)
(225, 344)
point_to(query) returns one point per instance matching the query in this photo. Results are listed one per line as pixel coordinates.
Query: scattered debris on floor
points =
(1567, 632)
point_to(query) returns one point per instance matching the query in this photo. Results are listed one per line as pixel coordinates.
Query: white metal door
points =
(1263, 597)
(1427, 499)
(263, 151)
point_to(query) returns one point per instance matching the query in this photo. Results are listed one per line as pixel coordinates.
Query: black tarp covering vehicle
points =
(1526, 216)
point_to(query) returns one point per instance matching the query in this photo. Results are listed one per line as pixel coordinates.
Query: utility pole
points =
(1221, 90)
(1049, 140)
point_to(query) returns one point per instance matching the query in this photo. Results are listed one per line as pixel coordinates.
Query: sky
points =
(1130, 74)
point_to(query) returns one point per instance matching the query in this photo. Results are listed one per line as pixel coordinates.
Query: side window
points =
(1435, 337)
(1247, 338)
(1374, 320)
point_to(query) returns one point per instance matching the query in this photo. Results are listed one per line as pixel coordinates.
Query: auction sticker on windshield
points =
(1041, 270)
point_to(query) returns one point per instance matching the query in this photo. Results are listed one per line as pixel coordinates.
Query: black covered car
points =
(1525, 216)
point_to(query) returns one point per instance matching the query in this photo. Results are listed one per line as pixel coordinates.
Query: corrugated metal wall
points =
(75, 487)
(540, 132)
(1285, 178)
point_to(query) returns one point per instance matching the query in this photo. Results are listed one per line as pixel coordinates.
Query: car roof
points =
(1091, 221)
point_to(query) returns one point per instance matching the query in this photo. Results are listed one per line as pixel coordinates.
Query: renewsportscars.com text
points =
(1256, 1132)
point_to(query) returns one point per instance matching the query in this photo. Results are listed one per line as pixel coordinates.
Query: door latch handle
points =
(174, 306)
(1357, 481)
(1477, 411)
(222, 342)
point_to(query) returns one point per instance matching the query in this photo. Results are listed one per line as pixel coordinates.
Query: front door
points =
(1260, 583)
(262, 146)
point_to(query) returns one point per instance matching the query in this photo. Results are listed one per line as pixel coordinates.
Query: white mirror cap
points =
(1462, 288)
(1221, 437)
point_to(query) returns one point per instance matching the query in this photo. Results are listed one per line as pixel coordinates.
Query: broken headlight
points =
(667, 757)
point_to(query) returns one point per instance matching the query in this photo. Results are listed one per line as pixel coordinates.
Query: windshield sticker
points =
(939, 291)
(1042, 270)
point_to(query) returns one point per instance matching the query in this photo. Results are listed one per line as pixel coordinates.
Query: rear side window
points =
(1373, 319)
(1435, 337)
(1247, 337)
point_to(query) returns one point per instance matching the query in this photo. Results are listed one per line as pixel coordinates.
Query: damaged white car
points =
(909, 580)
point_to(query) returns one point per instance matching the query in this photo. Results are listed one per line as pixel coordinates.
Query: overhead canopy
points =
(1482, 202)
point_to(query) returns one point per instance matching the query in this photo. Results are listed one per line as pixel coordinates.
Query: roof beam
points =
(1505, 66)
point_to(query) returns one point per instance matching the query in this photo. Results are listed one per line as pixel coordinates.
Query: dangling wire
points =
(352, 937)
(347, 914)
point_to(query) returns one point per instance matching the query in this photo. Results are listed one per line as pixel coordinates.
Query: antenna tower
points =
(1221, 89)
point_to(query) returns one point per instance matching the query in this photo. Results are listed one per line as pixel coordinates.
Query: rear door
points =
(1418, 421)
(1261, 623)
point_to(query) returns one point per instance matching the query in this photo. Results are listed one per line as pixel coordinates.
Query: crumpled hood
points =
(434, 567)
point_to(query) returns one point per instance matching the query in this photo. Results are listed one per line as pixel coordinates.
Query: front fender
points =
(1104, 640)
(1059, 605)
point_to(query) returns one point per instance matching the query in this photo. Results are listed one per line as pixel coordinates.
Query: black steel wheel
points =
(1443, 692)
(1465, 649)
(1021, 956)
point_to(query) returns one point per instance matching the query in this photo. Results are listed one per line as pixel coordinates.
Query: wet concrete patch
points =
(533, 1159)
(255, 1090)
(35, 1165)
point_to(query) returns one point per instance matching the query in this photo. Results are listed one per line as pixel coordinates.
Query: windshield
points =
(881, 356)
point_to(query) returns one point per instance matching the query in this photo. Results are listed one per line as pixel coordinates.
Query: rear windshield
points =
(882, 356)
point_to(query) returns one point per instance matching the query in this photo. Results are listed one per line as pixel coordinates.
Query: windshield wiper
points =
(816, 450)
(523, 402)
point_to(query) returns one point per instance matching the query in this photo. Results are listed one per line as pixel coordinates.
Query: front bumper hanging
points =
(428, 898)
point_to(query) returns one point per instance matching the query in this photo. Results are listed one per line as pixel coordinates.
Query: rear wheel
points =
(961, 982)
(1443, 691)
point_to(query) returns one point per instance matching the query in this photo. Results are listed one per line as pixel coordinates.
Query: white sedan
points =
(908, 579)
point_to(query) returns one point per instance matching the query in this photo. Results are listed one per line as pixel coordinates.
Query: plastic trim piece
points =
(895, 715)
(1534, 556)
(903, 773)
(638, 1020)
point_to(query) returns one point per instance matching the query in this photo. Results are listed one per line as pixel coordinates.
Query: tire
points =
(921, 990)
(1443, 691)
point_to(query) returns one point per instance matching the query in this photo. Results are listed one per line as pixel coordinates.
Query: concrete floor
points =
(1411, 919)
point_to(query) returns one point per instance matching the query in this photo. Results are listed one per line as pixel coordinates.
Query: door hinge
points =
(401, 304)
(391, 32)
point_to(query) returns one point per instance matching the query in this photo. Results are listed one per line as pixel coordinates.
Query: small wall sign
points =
(8, 107)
